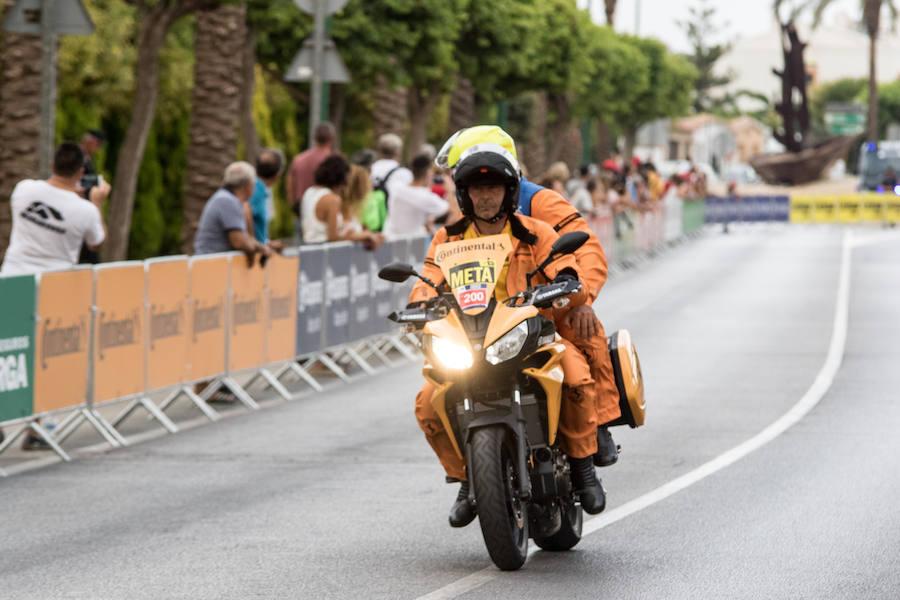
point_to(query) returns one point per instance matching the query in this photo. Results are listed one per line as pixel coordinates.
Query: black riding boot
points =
(462, 512)
(607, 451)
(586, 484)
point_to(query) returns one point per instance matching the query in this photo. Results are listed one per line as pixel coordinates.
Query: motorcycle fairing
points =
(504, 319)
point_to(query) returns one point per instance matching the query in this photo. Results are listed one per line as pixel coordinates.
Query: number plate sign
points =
(471, 268)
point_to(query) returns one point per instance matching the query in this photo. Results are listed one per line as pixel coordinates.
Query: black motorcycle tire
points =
(569, 534)
(502, 515)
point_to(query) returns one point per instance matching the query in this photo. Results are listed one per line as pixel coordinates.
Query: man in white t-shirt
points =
(387, 169)
(50, 220)
(411, 206)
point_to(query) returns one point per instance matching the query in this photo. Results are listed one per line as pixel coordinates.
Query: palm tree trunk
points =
(20, 92)
(872, 20)
(249, 136)
(421, 105)
(610, 12)
(215, 111)
(389, 115)
(151, 37)
(462, 105)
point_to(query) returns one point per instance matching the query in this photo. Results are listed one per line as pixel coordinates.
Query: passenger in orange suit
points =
(487, 180)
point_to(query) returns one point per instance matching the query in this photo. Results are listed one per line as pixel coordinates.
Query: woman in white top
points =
(322, 220)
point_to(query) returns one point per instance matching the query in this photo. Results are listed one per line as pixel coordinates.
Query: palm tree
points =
(215, 108)
(155, 19)
(871, 19)
(20, 92)
(610, 8)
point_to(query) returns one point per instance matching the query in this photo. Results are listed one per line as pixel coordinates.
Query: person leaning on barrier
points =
(322, 219)
(487, 182)
(223, 222)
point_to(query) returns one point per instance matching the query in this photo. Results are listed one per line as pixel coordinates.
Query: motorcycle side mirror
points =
(396, 272)
(566, 244)
(569, 242)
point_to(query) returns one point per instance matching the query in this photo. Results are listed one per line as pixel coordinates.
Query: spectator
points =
(580, 195)
(91, 141)
(358, 188)
(304, 165)
(322, 220)
(555, 178)
(50, 220)
(387, 170)
(414, 204)
(583, 174)
(364, 158)
(223, 224)
(269, 166)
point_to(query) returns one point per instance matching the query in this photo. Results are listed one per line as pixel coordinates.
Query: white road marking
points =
(809, 400)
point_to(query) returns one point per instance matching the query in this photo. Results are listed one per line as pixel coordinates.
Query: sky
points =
(737, 18)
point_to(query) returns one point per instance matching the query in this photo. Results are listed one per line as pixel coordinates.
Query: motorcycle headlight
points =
(508, 346)
(452, 356)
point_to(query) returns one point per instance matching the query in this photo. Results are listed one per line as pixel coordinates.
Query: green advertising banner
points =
(693, 215)
(17, 310)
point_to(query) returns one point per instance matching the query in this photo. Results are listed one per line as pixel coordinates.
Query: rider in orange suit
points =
(579, 423)
(580, 324)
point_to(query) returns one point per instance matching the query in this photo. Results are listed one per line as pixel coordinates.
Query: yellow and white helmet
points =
(478, 155)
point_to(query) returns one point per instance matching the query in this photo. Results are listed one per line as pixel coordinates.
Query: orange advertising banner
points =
(169, 339)
(245, 327)
(281, 308)
(62, 347)
(208, 294)
(119, 332)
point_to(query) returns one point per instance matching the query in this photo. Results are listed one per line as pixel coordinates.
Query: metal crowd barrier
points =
(864, 207)
(747, 209)
(120, 332)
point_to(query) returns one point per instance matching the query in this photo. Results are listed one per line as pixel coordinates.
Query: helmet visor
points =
(442, 159)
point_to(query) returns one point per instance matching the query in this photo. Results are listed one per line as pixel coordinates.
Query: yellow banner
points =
(62, 346)
(169, 335)
(118, 332)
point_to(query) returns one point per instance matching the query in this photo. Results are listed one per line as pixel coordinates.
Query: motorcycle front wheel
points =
(503, 516)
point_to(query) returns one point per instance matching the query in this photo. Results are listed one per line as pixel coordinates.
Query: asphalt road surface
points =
(338, 496)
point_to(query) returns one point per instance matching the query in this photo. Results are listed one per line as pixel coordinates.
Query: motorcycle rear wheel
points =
(502, 515)
(569, 534)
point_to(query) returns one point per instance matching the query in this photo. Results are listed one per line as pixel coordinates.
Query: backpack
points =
(375, 206)
(527, 190)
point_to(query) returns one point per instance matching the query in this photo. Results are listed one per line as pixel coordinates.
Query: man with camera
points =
(50, 220)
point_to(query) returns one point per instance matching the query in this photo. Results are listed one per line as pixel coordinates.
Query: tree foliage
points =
(700, 28)
(507, 49)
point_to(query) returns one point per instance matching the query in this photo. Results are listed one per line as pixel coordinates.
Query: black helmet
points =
(487, 164)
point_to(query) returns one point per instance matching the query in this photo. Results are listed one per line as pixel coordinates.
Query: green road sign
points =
(850, 121)
(17, 346)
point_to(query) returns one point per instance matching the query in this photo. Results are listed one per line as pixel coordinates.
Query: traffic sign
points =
(331, 6)
(845, 119)
(69, 18)
(333, 69)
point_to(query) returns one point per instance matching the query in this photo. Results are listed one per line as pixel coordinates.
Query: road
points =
(338, 496)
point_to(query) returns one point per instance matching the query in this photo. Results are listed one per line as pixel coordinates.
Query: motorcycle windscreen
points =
(471, 268)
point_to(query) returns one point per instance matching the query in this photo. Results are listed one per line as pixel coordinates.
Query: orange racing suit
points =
(551, 208)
